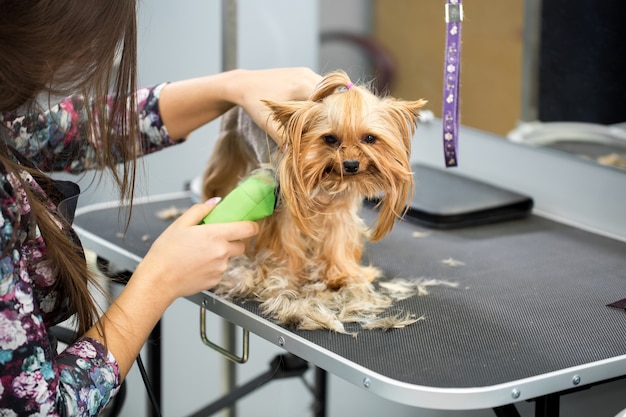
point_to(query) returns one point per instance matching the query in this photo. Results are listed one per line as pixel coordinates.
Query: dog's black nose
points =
(351, 166)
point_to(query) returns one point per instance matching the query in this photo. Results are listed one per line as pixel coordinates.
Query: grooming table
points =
(528, 319)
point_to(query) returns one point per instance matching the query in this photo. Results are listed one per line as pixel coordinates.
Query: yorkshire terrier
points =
(341, 146)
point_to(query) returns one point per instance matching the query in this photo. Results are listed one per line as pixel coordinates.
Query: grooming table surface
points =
(528, 317)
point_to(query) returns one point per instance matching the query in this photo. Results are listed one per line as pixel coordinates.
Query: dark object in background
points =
(582, 61)
(443, 200)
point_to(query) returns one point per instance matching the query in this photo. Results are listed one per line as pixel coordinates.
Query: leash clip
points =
(454, 12)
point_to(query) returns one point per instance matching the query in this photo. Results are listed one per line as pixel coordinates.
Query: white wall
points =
(351, 16)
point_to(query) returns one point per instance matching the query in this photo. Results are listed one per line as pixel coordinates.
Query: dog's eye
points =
(369, 139)
(331, 140)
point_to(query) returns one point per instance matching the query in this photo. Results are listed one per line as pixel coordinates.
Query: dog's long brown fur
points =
(342, 145)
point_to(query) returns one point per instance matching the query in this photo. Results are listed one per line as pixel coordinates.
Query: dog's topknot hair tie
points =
(344, 88)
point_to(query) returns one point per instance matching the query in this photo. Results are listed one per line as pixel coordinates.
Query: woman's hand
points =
(185, 259)
(283, 84)
(189, 257)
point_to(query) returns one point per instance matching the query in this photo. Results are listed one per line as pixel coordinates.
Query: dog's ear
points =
(412, 107)
(283, 112)
(282, 116)
(404, 113)
(409, 110)
(392, 206)
(293, 118)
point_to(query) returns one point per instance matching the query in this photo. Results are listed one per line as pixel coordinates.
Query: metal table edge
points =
(435, 398)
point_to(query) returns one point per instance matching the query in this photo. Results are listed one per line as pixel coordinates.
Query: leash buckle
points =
(454, 12)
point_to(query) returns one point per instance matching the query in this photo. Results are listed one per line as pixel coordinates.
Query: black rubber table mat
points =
(531, 299)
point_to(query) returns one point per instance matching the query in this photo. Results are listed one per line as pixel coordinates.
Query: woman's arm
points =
(56, 140)
(187, 105)
(167, 114)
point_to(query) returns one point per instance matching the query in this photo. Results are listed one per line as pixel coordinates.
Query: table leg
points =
(153, 348)
(229, 378)
(508, 410)
(547, 406)
(320, 393)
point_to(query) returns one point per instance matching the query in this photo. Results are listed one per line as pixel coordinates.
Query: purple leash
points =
(451, 77)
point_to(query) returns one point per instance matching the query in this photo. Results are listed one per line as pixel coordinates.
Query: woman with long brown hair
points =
(56, 48)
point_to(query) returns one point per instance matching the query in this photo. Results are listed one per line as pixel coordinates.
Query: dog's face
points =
(346, 144)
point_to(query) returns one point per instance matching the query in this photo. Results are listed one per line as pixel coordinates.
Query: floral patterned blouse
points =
(34, 379)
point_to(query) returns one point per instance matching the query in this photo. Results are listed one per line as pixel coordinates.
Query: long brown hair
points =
(51, 48)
